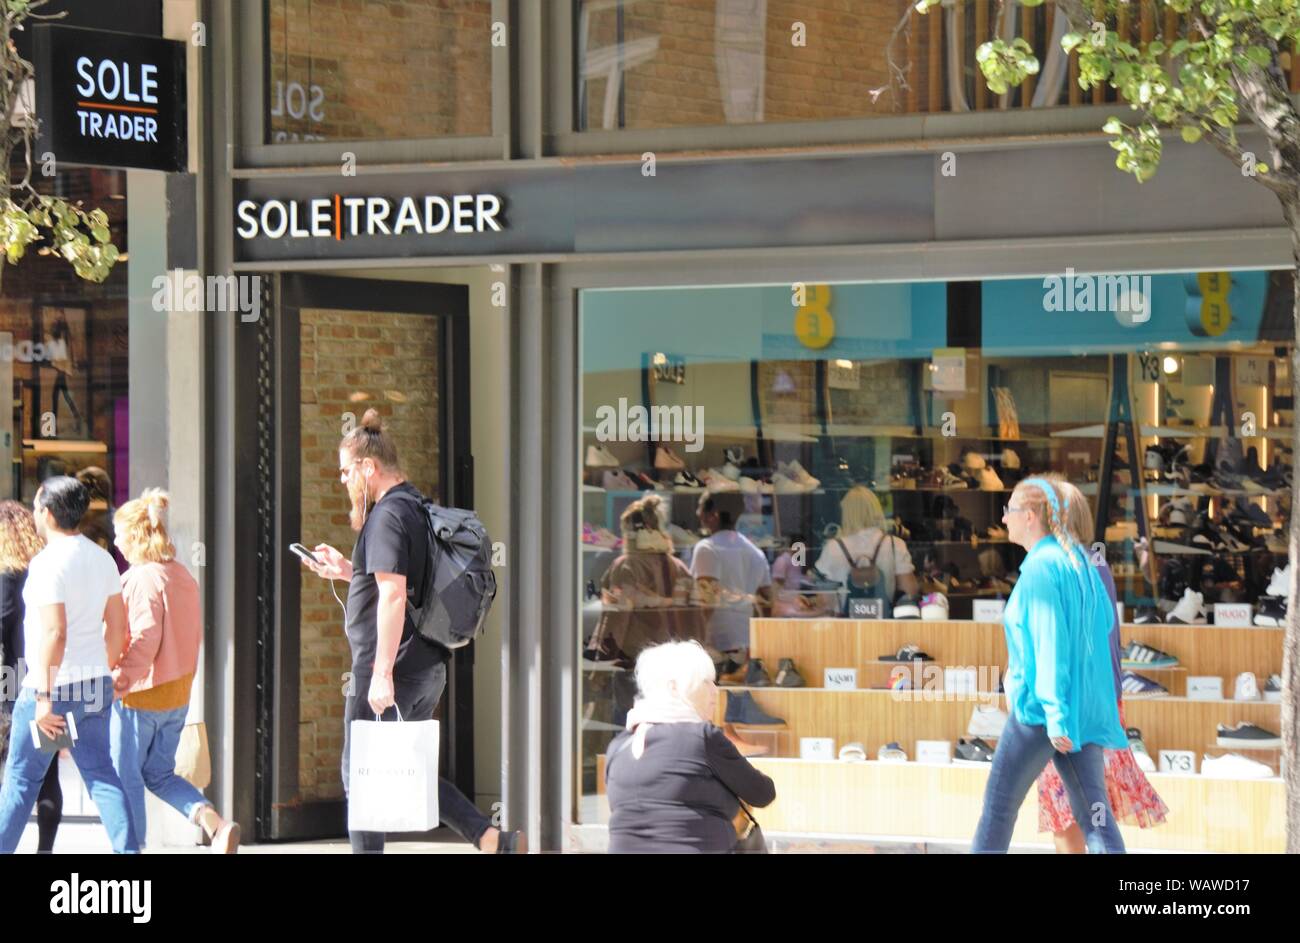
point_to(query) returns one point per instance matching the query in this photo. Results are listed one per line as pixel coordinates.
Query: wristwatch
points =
(42, 695)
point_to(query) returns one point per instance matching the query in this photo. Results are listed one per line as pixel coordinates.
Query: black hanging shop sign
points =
(110, 99)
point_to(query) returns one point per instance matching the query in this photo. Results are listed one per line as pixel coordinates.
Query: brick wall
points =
(388, 69)
(831, 77)
(350, 362)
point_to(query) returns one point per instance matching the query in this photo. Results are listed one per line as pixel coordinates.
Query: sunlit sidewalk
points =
(88, 838)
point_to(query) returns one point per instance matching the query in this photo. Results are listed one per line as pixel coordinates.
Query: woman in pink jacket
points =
(154, 676)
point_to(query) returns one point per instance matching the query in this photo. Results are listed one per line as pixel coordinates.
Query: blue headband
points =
(1048, 491)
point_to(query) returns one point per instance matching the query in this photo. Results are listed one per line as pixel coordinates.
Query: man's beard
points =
(358, 488)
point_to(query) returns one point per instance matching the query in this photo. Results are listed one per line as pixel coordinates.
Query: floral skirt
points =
(1132, 797)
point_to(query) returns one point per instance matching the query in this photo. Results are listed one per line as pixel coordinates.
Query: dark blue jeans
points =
(1022, 753)
(416, 699)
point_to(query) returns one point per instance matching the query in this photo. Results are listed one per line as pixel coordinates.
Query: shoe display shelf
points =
(922, 802)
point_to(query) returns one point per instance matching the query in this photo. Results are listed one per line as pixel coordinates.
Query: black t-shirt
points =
(394, 539)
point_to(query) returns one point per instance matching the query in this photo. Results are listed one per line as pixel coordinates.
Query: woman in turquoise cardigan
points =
(1058, 680)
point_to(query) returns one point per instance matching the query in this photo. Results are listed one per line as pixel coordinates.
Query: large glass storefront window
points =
(63, 355)
(812, 480)
(423, 71)
(681, 63)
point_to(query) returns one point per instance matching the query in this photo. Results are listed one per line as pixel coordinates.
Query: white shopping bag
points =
(393, 776)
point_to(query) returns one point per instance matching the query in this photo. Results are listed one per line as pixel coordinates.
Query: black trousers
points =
(417, 698)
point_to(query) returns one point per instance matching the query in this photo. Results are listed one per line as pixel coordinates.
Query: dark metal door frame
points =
(281, 814)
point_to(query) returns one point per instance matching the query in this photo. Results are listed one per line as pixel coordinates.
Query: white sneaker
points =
(1273, 689)
(986, 721)
(853, 753)
(1247, 688)
(1139, 751)
(1280, 583)
(934, 606)
(731, 471)
(717, 481)
(1190, 609)
(600, 457)
(796, 472)
(783, 484)
(1234, 766)
(748, 485)
(891, 753)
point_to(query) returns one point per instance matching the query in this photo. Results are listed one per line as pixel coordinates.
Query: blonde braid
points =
(1055, 526)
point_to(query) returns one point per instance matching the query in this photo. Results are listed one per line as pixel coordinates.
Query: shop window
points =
(364, 70)
(854, 448)
(63, 357)
(679, 63)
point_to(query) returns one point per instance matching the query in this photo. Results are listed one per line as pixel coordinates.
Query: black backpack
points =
(459, 582)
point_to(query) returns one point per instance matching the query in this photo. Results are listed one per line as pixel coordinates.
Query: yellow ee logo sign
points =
(1216, 313)
(813, 324)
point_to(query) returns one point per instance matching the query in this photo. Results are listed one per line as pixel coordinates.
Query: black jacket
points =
(680, 796)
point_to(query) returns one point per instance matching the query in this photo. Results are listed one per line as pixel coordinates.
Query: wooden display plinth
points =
(943, 803)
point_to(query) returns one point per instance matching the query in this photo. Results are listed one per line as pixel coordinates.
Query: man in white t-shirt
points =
(731, 573)
(75, 631)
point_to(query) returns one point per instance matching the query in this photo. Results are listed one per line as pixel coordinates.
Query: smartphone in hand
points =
(305, 555)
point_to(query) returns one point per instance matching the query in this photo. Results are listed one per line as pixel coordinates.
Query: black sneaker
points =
(1246, 736)
(1254, 512)
(973, 752)
(756, 675)
(1270, 611)
(1147, 615)
(742, 709)
(787, 676)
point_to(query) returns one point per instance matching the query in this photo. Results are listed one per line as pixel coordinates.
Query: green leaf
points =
(100, 233)
(1192, 134)
(1179, 47)
(1259, 55)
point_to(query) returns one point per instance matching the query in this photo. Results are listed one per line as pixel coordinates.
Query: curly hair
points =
(19, 541)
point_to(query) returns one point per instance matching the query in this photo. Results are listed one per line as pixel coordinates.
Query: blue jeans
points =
(89, 703)
(416, 699)
(144, 745)
(1022, 753)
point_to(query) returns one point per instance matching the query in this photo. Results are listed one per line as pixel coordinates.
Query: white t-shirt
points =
(740, 569)
(892, 561)
(78, 573)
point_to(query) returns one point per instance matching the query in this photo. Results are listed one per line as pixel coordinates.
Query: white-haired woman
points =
(862, 542)
(675, 782)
